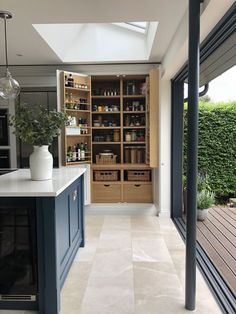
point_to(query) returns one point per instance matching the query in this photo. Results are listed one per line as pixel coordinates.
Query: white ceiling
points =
(98, 42)
(25, 40)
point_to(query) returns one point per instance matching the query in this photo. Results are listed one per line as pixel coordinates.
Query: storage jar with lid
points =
(116, 135)
(128, 137)
(133, 135)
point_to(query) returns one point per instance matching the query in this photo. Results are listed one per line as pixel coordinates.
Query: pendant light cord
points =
(5, 27)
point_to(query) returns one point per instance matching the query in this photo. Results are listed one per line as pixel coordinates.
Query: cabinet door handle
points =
(74, 195)
(137, 185)
(106, 185)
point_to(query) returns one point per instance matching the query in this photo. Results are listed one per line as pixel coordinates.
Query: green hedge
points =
(217, 147)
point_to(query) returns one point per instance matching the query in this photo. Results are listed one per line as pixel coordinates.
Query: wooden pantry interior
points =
(114, 126)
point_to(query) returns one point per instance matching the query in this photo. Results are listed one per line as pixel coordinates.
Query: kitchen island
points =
(41, 229)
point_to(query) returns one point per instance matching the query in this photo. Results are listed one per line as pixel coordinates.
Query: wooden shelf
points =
(105, 112)
(77, 89)
(78, 162)
(78, 134)
(134, 96)
(134, 142)
(134, 112)
(105, 143)
(105, 127)
(103, 96)
(106, 182)
(121, 166)
(136, 182)
(134, 127)
(77, 110)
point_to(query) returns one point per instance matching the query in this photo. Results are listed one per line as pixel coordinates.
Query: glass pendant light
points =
(9, 87)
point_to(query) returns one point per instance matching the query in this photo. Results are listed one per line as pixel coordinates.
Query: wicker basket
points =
(106, 175)
(139, 175)
(106, 159)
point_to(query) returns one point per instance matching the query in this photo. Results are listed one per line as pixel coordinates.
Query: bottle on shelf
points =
(74, 153)
(69, 154)
(70, 81)
(82, 151)
(66, 81)
(78, 152)
(86, 148)
(70, 102)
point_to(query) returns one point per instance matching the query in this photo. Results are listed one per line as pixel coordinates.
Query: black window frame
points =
(222, 31)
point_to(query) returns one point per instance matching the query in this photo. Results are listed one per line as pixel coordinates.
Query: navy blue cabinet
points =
(54, 235)
(60, 233)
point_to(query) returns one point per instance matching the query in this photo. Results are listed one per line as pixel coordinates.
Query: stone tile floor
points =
(131, 264)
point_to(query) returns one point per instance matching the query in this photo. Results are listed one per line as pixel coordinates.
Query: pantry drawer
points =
(137, 193)
(106, 193)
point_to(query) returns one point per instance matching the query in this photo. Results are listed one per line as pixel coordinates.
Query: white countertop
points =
(18, 183)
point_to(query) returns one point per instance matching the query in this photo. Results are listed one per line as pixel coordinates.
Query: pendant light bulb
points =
(9, 87)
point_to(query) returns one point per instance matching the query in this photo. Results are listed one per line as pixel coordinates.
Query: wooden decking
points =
(217, 236)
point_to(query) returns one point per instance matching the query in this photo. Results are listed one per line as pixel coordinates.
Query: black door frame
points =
(222, 31)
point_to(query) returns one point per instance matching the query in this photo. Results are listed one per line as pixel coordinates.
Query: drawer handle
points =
(106, 185)
(74, 195)
(137, 185)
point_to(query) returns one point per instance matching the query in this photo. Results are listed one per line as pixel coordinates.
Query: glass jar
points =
(127, 120)
(116, 135)
(128, 137)
(133, 135)
(127, 155)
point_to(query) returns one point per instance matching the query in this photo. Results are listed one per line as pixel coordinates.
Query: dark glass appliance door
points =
(18, 250)
(4, 136)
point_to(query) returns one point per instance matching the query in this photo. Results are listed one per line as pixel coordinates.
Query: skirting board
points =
(122, 209)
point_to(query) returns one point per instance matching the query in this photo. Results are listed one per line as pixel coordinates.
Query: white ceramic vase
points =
(41, 163)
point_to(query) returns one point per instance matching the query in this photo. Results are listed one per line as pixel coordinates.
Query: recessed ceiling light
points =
(19, 55)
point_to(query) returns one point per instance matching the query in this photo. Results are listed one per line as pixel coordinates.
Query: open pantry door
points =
(153, 117)
(74, 98)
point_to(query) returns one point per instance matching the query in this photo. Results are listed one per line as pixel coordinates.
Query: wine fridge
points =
(18, 252)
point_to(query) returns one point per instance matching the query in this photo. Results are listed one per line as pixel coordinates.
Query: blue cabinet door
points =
(74, 212)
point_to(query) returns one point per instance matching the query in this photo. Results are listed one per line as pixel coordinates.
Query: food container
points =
(128, 137)
(116, 135)
(139, 175)
(127, 155)
(133, 155)
(96, 123)
(109, 159)
(106, 175)
(134, 135)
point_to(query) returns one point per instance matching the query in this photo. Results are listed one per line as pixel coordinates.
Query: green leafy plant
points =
(203, 183)
(37, 127)
(217, 147)
(205, 199)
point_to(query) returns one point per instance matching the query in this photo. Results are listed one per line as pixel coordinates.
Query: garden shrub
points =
(217, 147)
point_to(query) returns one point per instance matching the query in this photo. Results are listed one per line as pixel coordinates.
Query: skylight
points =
(100, 42)
(141, 27)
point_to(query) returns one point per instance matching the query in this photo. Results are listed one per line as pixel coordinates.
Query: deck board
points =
(217, 236)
